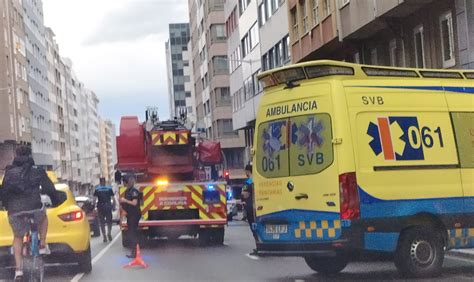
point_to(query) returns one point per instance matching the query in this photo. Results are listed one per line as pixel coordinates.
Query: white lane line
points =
(252, 257)
(97, 257)
(459, 258)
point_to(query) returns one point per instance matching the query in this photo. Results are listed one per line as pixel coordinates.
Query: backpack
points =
(16, 179)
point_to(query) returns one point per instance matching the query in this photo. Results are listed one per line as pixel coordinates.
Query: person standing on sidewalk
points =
(131, 204)
(105, 197)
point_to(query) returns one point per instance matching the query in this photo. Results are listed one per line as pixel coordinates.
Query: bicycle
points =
(33, 264)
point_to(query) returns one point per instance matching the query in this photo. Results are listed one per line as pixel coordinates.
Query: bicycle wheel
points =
(35, 267)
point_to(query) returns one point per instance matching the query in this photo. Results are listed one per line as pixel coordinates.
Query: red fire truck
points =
(178, 179)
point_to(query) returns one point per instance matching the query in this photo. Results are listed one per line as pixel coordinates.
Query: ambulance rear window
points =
(296, 146)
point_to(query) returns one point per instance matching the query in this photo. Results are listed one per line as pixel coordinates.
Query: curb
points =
(461, 254)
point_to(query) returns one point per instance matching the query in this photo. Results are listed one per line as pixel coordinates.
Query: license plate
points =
(276, 228)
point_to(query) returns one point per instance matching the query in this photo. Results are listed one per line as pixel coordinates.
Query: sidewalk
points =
(464, 253)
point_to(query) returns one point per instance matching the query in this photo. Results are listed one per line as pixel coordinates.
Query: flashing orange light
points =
(161, 182)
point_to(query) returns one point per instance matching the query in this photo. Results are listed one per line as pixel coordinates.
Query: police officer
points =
(131, 204)
(105, 197)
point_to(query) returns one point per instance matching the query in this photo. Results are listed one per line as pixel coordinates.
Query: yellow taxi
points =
(68, 230)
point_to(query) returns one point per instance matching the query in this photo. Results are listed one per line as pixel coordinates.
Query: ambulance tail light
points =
(350, 204)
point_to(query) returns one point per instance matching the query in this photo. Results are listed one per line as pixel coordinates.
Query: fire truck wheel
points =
(204, 237)
(125, 239)
(217, 236)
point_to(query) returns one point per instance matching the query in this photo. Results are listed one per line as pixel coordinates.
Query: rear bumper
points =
(303, 249)
(186, 222)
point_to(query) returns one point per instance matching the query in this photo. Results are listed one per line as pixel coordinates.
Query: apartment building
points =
(41, 124)
(58, 108)
(423, 34)
(14, 102)
(211, 81)
(108, 149)
(176, 46)
(257, 38)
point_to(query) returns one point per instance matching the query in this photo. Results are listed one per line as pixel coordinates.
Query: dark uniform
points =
(133, 216)
(249, 210)
(104, 196)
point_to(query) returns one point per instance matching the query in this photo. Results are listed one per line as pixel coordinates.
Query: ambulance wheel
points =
(420, 253)
(327, 265)
(126, 243)
(217, 236)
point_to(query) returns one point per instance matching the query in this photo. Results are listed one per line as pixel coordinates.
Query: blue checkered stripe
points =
(461, 237)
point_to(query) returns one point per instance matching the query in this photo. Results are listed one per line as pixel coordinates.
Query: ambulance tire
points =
(327, 266)
(420, 253)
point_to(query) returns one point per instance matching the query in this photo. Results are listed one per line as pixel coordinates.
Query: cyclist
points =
(24, 183)
(105, 196)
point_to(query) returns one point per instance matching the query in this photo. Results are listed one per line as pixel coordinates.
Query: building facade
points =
(14, 102)
(422, 34)
(38, 88)
(177, 80)
(108, 150)
(211, 81)
(59, 109)
(257, 40)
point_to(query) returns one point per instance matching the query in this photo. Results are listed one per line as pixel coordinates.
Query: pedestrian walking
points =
(131, 204)
(118, 176)
(105, 200)
(248, 197)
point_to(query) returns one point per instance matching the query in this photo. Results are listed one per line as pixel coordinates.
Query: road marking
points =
(459, 259)
(252, 257)
(97, 257)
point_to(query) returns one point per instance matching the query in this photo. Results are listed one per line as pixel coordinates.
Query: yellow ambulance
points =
(352, 159)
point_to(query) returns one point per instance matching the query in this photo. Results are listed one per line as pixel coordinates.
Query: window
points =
(222, 96)
(245, 45)
(304, 15)
(225, 128)
(419, 47)
(274, 6)
(294, 23)
(249, 88)
(447, 39)
(271, 59)
(218, 33)
(278, 54)
(327, 7)
(373, 56)
(264, 62)
(268, 6)
(243, 5)
(463, 127)
(393, 52)
(220, 65)
(285, 43)
(275, 159)
(261, 14)
(254, 36)
(315, 4)
(344, 3)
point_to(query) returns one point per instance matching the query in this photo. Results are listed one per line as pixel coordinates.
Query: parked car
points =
(87, 204)
(68, 232)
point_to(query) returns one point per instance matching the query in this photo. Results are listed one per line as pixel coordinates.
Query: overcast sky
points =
(118, 49)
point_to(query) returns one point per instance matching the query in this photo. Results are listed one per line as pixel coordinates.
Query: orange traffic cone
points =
(138, 261)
